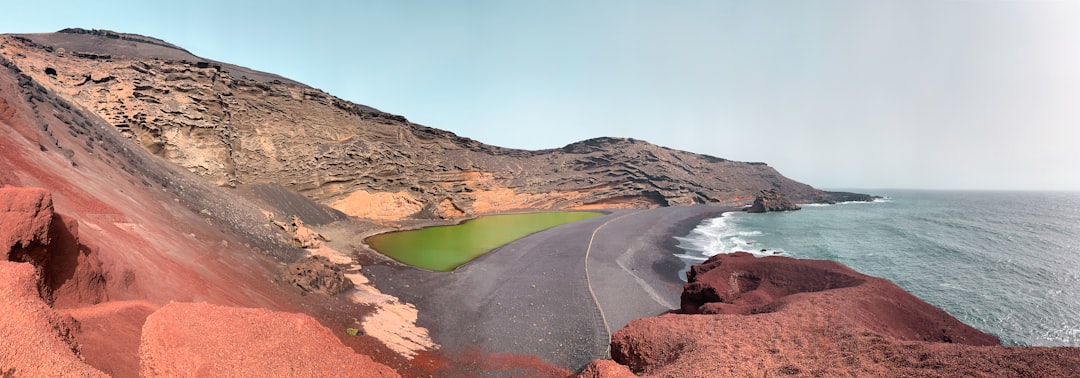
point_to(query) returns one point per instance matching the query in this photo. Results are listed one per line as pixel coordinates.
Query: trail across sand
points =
(534, 296)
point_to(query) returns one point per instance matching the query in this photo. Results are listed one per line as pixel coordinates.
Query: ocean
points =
(1007, 263)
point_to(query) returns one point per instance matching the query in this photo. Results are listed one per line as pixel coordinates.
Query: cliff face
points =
(235, 126)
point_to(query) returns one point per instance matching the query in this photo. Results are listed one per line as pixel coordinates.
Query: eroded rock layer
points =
(237, 126)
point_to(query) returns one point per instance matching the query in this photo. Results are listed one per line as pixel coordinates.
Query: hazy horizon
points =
(963, 95)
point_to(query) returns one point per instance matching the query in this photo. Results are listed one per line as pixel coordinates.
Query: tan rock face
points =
(235, 126)
(199, 339)
(381, 206)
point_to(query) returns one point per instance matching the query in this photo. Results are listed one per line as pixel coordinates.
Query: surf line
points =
(588, 282)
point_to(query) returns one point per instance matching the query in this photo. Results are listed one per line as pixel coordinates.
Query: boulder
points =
(318, 274)
(199, 339)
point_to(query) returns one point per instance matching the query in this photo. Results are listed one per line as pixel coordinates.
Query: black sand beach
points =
(533, 296)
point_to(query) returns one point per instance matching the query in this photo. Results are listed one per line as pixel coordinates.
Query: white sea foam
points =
(875, 200)
(720, 235)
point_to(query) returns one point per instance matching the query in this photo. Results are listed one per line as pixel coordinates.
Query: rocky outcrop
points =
(317, 274)
(837, 197)
(742, 284)
(25, 217)
(199, 339)
(37, 341)
(299, 235)
(777, 316)
(237, 127)
(31, 232)
(771, 200)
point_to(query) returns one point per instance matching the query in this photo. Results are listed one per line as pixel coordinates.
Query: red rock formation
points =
(31, 232)
(739, 283)
(605, 369)
(37, 342)
(198, 339)
(109, 334)
(25, 216)
(744, 316)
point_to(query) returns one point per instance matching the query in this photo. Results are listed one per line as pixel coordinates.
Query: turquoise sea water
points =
(1007, 263)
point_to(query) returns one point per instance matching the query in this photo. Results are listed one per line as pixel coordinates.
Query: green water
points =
(444, 248)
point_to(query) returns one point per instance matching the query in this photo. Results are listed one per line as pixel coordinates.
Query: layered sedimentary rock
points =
(777, 316)
(235, 126)
(118, 231)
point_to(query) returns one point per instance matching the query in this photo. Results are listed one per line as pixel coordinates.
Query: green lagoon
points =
(443, 248)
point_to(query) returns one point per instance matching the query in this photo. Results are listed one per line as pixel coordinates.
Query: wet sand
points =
(533, 296)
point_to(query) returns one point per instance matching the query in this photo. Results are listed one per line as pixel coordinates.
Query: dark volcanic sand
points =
(531, 296)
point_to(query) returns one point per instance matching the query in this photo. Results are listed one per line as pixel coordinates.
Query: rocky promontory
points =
(777, 316)
(771, 200)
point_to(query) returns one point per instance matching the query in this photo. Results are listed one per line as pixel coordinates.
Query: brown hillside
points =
(235, 126)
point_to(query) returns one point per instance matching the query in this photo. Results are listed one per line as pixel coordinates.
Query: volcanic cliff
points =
(235, 126)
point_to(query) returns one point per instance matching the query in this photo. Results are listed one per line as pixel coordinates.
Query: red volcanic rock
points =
(739, 283)
(745, 316)
(605, 369)
(25, 215)
(199, 339)
(36, 341)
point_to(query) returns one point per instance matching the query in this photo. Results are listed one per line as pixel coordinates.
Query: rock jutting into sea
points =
(771, 200)
(776, 316)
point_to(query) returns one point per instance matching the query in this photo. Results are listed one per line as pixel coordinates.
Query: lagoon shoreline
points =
(531, 297)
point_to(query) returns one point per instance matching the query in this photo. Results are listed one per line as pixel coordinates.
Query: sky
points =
(837, 94)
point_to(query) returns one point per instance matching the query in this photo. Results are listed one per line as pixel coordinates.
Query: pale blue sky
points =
(856, 94)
